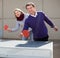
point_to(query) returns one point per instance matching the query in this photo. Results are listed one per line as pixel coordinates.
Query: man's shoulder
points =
(40, 12)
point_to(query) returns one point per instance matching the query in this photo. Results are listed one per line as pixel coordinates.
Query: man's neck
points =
(34, 14)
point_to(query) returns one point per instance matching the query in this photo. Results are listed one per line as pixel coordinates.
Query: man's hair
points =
(29, 3)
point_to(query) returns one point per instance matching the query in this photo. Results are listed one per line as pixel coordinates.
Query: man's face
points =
(17, 13)
(31, 9)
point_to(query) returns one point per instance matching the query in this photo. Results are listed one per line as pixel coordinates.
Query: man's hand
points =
(55, 28)
(21, 34)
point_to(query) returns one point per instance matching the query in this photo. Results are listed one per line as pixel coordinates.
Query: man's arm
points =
(26, 26)
(48, 21)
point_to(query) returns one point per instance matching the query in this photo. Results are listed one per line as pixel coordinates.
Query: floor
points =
(56, 49)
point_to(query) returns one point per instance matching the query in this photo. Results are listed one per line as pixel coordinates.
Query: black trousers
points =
(42, 39)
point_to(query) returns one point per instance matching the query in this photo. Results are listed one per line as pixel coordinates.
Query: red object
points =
(25, 33)
(5, 27)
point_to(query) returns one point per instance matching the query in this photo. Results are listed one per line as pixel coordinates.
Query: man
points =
(36, 21)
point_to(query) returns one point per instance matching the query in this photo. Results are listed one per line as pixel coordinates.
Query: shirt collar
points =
(34, 15)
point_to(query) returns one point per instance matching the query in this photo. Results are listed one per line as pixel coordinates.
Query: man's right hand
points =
(21, 34)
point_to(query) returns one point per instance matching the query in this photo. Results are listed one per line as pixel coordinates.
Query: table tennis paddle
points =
(5, 27)
(25, 33)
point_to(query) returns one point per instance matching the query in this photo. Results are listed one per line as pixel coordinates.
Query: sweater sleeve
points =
(16, 27)
(26, 26)
(48, 21)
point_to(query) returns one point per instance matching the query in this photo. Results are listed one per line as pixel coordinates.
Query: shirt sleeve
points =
(48, 21)
(16, 27)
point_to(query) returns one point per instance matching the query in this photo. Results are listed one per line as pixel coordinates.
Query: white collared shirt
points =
(34, 15)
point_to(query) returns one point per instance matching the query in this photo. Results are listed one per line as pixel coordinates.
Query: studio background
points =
(50, 7)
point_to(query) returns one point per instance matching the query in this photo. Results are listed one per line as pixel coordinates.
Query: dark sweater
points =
(37, 24)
